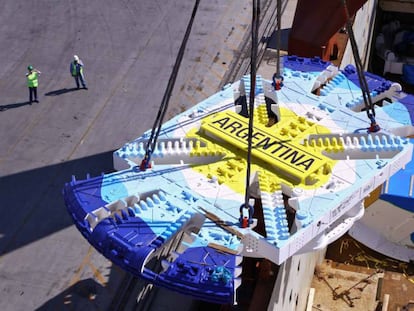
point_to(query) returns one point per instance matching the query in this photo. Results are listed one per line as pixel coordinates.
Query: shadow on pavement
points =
(87, 294)
(34, 202)
(15, 105)
(61, 91)
(284, 40)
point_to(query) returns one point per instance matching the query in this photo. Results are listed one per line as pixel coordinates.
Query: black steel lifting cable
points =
(358, 64)
(279, 33)
(152, 141)
(253, 60)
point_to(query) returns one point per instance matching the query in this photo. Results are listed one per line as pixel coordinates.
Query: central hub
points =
(289, 158)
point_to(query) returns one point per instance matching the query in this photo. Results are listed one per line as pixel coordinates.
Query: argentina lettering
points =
(267, 146)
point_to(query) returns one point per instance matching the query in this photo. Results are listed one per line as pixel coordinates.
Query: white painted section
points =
(289, 294)
(363, 28)
(386, 229)
(310, 299)
(385, 302)
(396, 224)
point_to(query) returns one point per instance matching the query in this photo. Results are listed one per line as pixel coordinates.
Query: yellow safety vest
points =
(75, 69)
(32, 79)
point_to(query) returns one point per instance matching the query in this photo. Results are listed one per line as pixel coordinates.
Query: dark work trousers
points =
(33, 94)
(80, 78)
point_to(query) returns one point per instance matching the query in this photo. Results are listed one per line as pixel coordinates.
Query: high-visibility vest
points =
(32, 79)
(75, 69)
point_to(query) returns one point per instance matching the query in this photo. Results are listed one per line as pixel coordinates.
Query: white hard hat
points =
(76, 57)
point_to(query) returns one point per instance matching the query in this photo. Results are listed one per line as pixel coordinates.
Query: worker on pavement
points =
(76, 70)
(32, 83)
